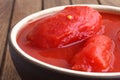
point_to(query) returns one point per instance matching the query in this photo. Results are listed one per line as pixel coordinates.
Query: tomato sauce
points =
(62, 56)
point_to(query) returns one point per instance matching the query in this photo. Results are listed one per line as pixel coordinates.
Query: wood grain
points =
(5, 14)
(84, 1)
(9, 72)
(110, 2)
(52, 3)
(22, 9)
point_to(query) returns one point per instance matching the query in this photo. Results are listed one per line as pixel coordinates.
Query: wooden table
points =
(12, 11)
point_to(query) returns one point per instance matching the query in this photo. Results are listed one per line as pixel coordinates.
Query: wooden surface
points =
(12, 11)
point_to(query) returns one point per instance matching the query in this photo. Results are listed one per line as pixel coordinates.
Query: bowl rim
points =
(20, 25)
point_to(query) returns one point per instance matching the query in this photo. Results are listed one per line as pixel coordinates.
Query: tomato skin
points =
(96, 56)
(74, 23)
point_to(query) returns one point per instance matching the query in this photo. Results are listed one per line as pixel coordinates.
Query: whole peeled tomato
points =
(96, 55)
(72, 24)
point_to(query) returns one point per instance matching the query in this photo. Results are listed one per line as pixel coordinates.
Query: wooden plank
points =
(5, 13)
(52, 3)
(22, 8)
(84, 1)
(9, 72)
(110, 2)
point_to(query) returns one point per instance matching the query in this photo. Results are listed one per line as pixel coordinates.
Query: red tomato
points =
(74, 23)
(96, 56)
